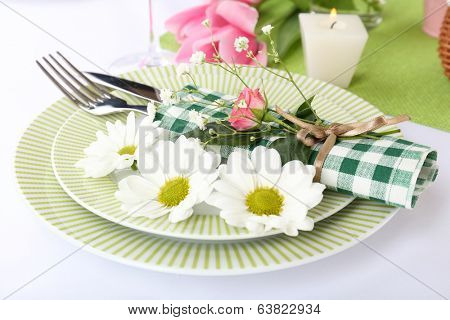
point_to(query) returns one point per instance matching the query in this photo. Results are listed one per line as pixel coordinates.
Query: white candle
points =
(332, 46)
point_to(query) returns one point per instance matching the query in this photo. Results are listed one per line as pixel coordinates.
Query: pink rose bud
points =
(248, 110)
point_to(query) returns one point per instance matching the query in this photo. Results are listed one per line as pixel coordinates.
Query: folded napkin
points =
(391, 170)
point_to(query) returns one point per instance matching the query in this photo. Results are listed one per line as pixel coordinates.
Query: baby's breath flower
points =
(241, 44)
(198, 118)
(206, 23)
(267, 29)
(168, 97)
(198, 57)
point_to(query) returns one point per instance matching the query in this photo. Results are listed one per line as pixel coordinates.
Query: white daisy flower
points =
(259, 194)
(168, 97)
(175, 177)
(183, 69)
(198, 57)
(198, 118)
(241, 44)
(267, 29)
(115, 150)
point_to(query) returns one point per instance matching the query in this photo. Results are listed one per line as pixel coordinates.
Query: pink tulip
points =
(248, 110)
(228, 19)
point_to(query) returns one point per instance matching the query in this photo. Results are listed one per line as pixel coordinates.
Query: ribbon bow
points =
(310, 134)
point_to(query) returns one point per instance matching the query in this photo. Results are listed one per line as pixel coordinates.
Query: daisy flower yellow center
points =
(127, 150)
(264, 201)
(174, 191)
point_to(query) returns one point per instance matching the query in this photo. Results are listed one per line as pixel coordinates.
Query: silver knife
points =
(134, 88)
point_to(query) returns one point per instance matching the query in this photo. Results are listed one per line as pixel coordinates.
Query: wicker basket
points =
(444, 44)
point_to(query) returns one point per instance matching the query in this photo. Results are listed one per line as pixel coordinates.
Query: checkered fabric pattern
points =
(175, 118)
(391, 170)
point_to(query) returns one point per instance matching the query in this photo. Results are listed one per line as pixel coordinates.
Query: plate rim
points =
(164, 233)
(171, 269)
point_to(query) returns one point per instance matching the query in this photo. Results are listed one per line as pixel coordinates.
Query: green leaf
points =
(221, 134)
(168, 42)
(305, 112)
(302, 5)
(273, 12)
(288, 34)
(291, 149)
(338, 4)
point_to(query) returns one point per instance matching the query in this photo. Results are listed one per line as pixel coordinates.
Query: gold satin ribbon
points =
(310, 134)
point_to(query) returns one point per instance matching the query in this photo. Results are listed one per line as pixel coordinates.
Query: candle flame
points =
(333, 14)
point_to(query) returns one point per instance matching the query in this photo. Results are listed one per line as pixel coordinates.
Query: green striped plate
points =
(97, 195)
(103, 237)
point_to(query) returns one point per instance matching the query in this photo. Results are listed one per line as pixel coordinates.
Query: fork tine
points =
(81, 74)
(81, 86)
(60, 87)
(74, 89)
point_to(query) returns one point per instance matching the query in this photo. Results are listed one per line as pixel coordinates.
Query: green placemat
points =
(405, 76)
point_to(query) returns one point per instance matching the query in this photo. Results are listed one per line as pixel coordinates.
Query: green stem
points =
(252, 56)
(221, 59)
(291, 79)
(230, 71)
(193, 80)
(385, 133)
(270, 118)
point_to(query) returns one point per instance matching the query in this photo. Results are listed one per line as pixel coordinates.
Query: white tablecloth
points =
(415, 244)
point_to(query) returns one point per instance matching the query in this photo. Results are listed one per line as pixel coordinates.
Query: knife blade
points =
(134, 88)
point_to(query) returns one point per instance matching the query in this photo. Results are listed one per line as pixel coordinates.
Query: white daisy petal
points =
(219, 200)
(307, 224)
(254, 226)
(279, 200)
(94, 168)
(235, 218)
(313, 196)
(227, 189)
(124, 161)
(290, 230)
(140, 187)
(115, 150)
(151, 211)
(239, 171)
(169, 180)
(179, 214)
(267, 163)
(296, 175)
(150, 169)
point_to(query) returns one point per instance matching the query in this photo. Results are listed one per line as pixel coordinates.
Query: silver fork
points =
(81, 90)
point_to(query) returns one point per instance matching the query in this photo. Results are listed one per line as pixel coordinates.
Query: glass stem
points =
(151, 31)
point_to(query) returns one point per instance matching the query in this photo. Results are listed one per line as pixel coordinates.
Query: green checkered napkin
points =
(391, 170)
